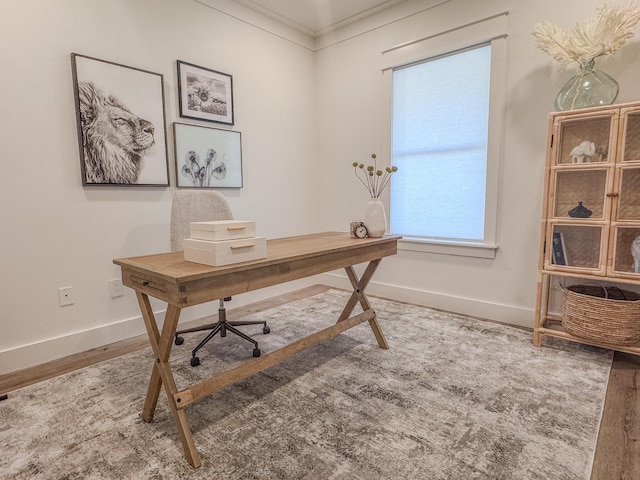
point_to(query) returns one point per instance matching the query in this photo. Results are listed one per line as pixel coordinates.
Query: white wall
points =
(351, 120)
(56, 233)
(304, 117)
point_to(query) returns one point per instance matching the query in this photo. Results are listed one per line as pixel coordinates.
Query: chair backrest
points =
(195, 206)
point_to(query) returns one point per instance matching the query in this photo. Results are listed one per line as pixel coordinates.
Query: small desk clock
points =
(358, 230)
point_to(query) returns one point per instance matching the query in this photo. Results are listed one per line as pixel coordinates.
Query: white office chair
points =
(202, 206)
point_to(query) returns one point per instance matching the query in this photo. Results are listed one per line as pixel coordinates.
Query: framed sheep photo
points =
(121, 123)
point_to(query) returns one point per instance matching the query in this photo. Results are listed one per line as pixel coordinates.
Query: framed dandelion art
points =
(207, 157)
(205, 94)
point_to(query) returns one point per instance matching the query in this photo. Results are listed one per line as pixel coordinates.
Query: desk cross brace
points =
(161, 344)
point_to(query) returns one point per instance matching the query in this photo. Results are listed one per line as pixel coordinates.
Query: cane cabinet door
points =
(581, 175)
(625, 220)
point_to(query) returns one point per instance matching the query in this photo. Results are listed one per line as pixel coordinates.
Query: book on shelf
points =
(559, 250)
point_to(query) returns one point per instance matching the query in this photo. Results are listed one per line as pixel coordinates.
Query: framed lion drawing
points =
(121, 123)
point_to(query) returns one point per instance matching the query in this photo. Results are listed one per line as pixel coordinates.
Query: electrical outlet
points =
(64, 296)
(115, 288)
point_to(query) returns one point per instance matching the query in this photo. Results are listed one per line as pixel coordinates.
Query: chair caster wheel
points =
(266, 329)
(179, 341)
(195, 361)
(256, 352)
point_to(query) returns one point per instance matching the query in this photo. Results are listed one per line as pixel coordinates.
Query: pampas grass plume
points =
(603, 34)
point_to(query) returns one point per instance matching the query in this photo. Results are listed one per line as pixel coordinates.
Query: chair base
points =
(222, 326)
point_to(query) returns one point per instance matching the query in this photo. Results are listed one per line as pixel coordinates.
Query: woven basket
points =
(602, 314)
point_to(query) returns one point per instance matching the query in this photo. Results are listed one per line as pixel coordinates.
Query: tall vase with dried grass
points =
(606, 31)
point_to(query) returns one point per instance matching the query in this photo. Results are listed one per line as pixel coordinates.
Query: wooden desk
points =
(181, 284)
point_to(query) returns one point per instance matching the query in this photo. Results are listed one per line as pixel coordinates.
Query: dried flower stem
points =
(373, 179)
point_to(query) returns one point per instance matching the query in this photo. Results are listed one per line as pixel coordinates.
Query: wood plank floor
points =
(617, 452)
(618, 449)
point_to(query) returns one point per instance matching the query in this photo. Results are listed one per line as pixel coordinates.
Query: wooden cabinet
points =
(591, 208)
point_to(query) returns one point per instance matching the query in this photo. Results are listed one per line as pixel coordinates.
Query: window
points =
(445, 107)
(439, 144)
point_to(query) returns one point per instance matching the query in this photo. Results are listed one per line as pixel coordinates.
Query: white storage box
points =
(222, 230)
(225, 252)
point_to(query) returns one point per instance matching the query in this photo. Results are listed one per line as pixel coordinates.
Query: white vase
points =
(375, 218)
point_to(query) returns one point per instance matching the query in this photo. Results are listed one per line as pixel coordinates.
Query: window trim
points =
(491, 30)
(446, 247)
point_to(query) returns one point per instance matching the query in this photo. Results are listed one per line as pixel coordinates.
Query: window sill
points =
(464, 249)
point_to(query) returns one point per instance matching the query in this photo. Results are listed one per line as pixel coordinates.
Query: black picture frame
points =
(207, 157)
(121, 123)
(205, 94)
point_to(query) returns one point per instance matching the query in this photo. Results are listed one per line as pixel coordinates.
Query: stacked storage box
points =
(224, 242)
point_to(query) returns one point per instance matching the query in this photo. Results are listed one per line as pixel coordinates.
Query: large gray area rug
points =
(453, 398)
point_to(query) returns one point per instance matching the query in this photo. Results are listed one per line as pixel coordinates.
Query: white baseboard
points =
(43, 351)
(465, 306)
(36, 353)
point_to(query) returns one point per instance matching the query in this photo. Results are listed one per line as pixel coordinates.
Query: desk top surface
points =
(281, 250)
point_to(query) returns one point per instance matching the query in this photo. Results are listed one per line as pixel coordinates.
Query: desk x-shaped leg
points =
(162, 376)
(358, 295)
(162, 343)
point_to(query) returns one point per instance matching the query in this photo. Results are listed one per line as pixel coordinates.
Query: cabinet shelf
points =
(558, 332)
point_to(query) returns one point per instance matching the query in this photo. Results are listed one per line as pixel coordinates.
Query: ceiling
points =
(317, 17)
